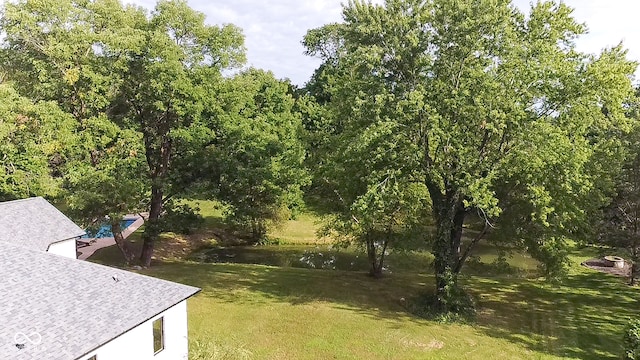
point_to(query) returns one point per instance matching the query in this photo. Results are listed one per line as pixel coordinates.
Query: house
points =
(36, 224)
(58, 308)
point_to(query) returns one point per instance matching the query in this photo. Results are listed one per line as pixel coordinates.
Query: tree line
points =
(424, 117)
(119, 110)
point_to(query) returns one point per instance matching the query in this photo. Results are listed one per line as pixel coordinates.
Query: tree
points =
(505, 115)
(148, 72)
(34, 138)
(619, 222)
(167, 78)
(110, 186)
(259, 155)
(374, 206)
(59, 51)
(378, 207)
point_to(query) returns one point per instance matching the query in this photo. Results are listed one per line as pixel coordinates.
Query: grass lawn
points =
(262, 312)
(300, 231)
(251, 311)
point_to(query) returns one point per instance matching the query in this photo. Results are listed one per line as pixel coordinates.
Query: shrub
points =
(632, 340)
(553, 255)
(200, 349)
(181, 218)
(462, 307)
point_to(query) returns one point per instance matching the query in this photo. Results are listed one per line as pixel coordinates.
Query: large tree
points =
(507, 119)
(168, 76)
(258, 156)
(56, 51)
(100, 60)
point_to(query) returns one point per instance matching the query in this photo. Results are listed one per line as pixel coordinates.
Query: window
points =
(158, 335)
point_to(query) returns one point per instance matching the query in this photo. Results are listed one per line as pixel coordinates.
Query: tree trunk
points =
(376, 262)
(258, 230)
(158, 159)
(152, 227)
(374, 270)
(456, 231)
(121, 242)
(449, 221)
(634, 262)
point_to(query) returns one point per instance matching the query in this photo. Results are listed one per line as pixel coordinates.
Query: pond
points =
(354, 259)
(309, 256)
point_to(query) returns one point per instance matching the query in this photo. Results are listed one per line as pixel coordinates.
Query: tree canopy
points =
(120, 64)
(35, 138)
(503, 116)
(259, 154)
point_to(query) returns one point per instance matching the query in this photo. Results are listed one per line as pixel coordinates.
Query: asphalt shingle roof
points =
(35, 224)
(73, 306)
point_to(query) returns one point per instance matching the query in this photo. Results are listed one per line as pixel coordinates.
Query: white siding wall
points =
(65, 248)
(138, 343)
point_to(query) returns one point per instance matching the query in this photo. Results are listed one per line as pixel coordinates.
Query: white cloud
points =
(275, 28)
(608, 23)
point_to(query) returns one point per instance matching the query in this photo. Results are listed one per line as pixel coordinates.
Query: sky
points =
(273, 29)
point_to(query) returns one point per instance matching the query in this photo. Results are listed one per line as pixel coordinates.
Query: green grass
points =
(265, 312)
(301, 230)
(252, 311)
(298, 231)
(212, 211)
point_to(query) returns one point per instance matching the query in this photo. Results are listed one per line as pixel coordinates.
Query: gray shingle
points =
(35, 224)
(75, 306)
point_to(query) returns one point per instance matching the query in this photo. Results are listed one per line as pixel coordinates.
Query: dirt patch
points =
(175, 246)
(432, 345)
(605, 266)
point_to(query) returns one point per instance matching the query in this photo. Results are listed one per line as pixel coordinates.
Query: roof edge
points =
(22, 200)
(142, 322)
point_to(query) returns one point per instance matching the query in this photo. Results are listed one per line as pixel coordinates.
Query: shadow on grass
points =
(256, 284)
(582, 318)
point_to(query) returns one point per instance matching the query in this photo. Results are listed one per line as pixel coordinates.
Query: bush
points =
(462, 307)
(553, 255)
(632, 340)
(181, 218)
(209, 350)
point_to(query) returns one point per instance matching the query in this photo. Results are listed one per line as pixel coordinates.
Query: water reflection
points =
(311, 257)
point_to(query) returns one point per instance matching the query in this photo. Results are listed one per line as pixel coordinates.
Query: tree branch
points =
(469, 248)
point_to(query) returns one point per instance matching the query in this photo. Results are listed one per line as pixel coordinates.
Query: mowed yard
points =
(253, 311)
